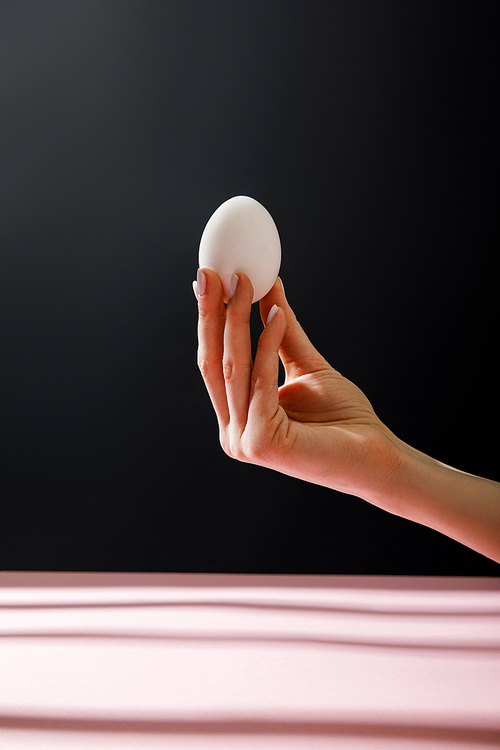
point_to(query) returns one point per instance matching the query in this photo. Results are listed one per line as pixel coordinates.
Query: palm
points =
(331, 425)
(325, 397)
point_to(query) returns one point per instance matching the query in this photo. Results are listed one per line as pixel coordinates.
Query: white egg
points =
(241, 237)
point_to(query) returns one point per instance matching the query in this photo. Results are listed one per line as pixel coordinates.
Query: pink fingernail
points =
(201, 282)
(195, 289)
(272, 312)
(233, 283)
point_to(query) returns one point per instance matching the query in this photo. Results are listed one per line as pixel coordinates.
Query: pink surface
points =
(198, 661)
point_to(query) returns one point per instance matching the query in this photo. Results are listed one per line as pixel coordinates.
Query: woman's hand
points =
(318, 426)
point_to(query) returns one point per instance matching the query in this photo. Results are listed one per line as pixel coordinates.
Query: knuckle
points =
(203, 367)
(228, 370)
(202, 313)
(234, 371)
(270, 444)
(237, 453)
(236, 449)
(234, 446)
(256, 451)
(253, 447)
(206, 364)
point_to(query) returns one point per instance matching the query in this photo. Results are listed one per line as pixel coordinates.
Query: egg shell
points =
(241, 237)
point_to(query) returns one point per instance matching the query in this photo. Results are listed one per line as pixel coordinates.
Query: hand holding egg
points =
(241, 237)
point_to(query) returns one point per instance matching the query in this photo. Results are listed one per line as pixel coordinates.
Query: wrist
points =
(389, 472)
(405, 477)
(417, 485)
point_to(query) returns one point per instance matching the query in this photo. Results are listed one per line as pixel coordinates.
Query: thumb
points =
(297, 353)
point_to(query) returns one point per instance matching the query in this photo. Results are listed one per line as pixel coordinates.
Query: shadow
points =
(466, 735)
(80, 579)
(226, 638)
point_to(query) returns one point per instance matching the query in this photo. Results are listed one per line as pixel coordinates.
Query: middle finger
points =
(237, 360)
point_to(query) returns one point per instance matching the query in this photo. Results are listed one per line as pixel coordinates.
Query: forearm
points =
(460, 505)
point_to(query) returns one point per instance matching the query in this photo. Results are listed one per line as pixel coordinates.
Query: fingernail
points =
(195, 289)
(272, 312)
(233, 283)
(281, 282)
(201, 283)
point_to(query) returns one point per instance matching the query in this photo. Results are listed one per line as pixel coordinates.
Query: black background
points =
(368, 131)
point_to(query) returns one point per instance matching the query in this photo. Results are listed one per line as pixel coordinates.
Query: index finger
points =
(211, 321)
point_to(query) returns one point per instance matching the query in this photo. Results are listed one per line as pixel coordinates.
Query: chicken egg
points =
(241, 237)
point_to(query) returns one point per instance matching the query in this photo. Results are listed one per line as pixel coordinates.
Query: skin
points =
(319, 426)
